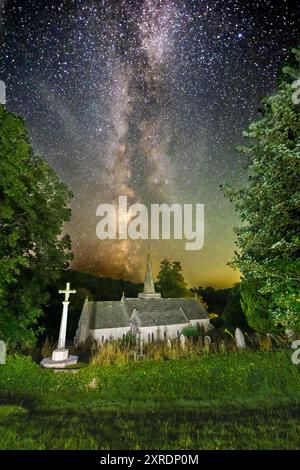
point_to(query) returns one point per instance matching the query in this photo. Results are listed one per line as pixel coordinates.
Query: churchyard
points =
(198, 396)
(221, 388)
(216, 389)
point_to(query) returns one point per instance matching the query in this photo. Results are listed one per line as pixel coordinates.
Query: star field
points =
(147, 99)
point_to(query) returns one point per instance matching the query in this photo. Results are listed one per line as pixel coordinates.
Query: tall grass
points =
(127, 350)
(122, 352)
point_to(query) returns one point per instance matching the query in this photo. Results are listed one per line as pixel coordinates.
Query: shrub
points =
(256, 307)
(192, 331)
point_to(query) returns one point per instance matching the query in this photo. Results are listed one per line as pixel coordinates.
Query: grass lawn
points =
(246, 400)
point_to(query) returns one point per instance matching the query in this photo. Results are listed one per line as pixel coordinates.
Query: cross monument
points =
(64, 317)
(60, 356)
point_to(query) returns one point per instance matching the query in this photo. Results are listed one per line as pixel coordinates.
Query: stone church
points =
(151, 316)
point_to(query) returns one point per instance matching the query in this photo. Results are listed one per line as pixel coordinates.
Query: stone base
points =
(49, 363)
(60, 354)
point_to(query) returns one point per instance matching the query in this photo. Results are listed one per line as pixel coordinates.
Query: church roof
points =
(193, 308)
(157, 317)
(108, 314)
(116, 314)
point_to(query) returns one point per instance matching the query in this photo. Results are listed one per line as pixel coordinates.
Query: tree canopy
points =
(171, 282)
(269, 206)
(33, 208)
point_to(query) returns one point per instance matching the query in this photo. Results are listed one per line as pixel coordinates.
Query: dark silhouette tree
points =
(171, 282)
(33, 208)
(268, 241)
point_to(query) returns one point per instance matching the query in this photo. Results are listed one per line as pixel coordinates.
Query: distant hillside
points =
(100, 288)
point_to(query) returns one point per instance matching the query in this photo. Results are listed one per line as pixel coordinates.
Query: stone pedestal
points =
(50, 363)
(59, 360)
(60, 354)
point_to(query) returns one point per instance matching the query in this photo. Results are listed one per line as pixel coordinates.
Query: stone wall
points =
(156, 333)
(148, 334)
(108, 334)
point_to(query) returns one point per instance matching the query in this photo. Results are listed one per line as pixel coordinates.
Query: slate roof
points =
(193, 309)
(151, 312)
(108, 314)
(157, 317)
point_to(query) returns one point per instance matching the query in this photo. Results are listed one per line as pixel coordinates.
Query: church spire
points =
(149, 282)
(149, 289)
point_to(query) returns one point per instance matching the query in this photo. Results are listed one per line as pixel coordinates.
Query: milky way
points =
(147, 99)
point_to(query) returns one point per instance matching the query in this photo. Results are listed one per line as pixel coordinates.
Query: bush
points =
(129, 339)
(192, 331)
(256, 307)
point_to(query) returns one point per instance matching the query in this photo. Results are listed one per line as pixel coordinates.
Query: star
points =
(147, 99)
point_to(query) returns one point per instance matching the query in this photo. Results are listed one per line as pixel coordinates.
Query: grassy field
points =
(246, 400)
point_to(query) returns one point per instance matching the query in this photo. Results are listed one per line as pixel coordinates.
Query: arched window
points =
(123, 336)
(165, 334)
(103, 338)
(178, 334)
(152, 337)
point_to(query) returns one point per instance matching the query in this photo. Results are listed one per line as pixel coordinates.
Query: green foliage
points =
(256, 306)
(33, 207)
(233, 313)
(171, 282)
(129, 339)
(269, 205)
(215, 401)
(192, 331)
(87, 424)
(212, 377)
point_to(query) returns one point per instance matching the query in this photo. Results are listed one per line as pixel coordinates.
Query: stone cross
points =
(2, 352)
(239, 339)
(67, 292)
(64, 317)
(182, 342)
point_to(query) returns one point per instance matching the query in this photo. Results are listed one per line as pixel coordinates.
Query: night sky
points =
(146, 99)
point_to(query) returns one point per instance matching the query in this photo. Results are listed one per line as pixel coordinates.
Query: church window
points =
(152, 337)
(178, 334)
(149, 337)
(165, 334)
(103, 338)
